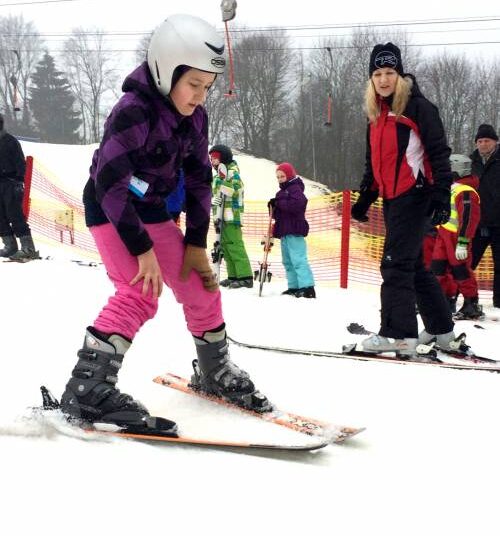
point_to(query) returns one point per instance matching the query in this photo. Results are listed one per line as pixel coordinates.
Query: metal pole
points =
(312, 127)
(13, 80)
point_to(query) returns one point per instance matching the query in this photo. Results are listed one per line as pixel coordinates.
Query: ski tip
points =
(306, 447)
(345, 433)
(49, 400)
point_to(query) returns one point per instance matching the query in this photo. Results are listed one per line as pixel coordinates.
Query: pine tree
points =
(52, 104)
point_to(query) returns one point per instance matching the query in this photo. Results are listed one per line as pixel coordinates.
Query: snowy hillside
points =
(426, 464)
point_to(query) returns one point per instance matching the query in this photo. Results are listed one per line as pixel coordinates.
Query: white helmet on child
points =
(184, 40)
(461, 164)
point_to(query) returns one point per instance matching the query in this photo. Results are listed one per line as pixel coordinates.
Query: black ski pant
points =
(12, 220)
(488, 236)
(406, 281)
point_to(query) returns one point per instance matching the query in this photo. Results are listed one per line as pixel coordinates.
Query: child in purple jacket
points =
(289, 209)
(158, 126)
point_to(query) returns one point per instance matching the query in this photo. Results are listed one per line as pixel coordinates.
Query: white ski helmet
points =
(461, 164)
(184, 40)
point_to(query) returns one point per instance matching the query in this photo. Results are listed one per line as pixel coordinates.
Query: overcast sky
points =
(143, 15)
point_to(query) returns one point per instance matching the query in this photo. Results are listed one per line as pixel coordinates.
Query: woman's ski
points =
(435, 357)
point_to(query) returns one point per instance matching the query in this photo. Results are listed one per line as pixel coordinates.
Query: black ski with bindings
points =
(460, 350)
(430, 355)
(159, 430)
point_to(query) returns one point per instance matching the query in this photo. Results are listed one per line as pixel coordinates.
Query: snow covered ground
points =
(426, 464)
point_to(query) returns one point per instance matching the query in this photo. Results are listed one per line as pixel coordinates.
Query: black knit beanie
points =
(387, 55)
(226, 155)
(486, 131)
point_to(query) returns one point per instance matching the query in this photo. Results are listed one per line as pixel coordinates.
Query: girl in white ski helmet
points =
(184, 40)
(157, 127)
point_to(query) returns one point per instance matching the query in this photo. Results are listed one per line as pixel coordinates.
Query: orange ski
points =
(329, 432)
(203, 442)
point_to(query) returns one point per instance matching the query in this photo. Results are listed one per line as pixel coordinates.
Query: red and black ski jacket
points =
(407, 150)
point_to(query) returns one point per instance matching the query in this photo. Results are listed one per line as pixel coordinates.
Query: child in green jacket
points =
(227, 182)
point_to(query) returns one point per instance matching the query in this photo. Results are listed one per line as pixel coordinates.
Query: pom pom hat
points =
(288, 170)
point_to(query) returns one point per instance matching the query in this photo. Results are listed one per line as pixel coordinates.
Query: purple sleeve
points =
(126, 131)
(198, 183)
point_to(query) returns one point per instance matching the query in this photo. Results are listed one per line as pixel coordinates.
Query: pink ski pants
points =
(128, 309)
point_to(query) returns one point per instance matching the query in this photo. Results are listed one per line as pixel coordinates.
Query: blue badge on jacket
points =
(138, 186)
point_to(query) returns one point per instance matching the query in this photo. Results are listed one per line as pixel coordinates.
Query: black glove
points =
(439, 208)
(271, 203)
(365, 200)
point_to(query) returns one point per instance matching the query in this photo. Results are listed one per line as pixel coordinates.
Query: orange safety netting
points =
(367, 240)
(57, 216)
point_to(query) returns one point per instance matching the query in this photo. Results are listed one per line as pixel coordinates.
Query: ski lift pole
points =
(13, 80)
(228, 8)
(328, 122)
(312, 125)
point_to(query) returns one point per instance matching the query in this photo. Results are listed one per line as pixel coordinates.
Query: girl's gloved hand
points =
(195, 258)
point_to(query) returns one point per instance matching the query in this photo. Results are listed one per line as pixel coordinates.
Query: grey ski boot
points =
(378, 344)
(27, 251)
(91, 395)
(448, 342)
(215, 373)
(10, 246)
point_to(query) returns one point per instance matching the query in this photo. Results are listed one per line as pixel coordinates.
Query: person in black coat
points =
(486, 166)
(12, 220)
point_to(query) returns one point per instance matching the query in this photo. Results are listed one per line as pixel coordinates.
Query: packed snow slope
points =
(426, 464)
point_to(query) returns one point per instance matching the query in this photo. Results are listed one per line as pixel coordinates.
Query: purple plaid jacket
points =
(145, 136)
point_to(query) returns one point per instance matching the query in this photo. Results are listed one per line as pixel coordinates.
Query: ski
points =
(89, 264)
(263, 274)
(312, 445)
(216, 252)
(461, 350)
(79, 262)
(435, 356)
(350, 352)
(486, 322)
(330, 432)
(158, 435)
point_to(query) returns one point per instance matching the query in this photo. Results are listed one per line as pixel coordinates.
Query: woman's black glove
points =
(439, 208)
(363, 203)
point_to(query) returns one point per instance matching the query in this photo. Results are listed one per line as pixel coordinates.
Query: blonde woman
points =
(407, 164)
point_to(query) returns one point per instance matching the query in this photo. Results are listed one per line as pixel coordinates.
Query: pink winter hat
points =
(287, 169)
